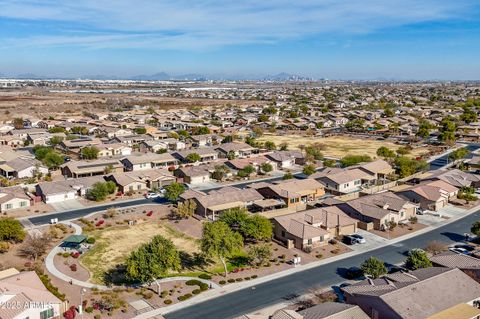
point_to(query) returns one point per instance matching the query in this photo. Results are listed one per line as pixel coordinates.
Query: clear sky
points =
(337, 39)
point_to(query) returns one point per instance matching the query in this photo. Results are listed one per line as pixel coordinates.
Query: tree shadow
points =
(239, 261)
(350, 273)
(117, 276)
(194, 261)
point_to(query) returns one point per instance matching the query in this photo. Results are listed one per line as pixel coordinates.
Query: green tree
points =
(81, 130)
(447, 130)
(227, 139)
(201, 130)
(140, 130)
(329, 163)
(283, 146)
(263, 118)
(173, 191)
(220, 241)
(314, 151)
(57, 129)
(257, 227)
(55, 140)
(407, 166)
(350, 160)
(231, 155)
(469, 115)
(417, 258)
(53, 159)
(258, 254)
(11, 230)
(458, 154)
(403, 150)
(373, 267)
(475, 229)
(269, 145)
(266, 167)
(287, 175)
(385, 152)
(193, 158)
(89, 152)
(235, 218)
(424, 128)
(308, 169)
(186, 209)
(152, 261)
(98, 192)
(220, 172)
(111, 187)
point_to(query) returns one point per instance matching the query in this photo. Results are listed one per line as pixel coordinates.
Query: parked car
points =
(459, 250)
(359, 238)
(150, 195)
(349, 240)
(465, 246)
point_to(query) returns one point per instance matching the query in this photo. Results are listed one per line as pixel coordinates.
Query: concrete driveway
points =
(67, 205)
(372, 241)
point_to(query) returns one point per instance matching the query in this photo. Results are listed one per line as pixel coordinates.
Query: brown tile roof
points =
(453, 260)
(421, 293)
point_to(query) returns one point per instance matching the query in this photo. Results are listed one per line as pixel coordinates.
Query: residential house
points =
(238, 149)
(430, 195)
(131, 139)
(59, 191)
(204, 140)
(113, 149)
(468, 264)
(164, 144)
(342, 181)
(311, 228)
(215, 202)
(286, 159)
(207, 154)
(149, 161)
(194, 174)
(420, 294)
(76, 169)
(141, 180)
(326, 310)
(256, 162)
(379, 209)
(13, 198)
(22, 168)
(27, 297)
(456, 177)
(294, 192)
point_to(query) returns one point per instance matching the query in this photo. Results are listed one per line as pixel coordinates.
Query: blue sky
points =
(337, 39)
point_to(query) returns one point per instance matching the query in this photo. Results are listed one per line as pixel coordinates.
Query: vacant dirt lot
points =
(115, 243)
(338, 146)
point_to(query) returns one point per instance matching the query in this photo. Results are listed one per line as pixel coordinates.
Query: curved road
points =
(272, 292)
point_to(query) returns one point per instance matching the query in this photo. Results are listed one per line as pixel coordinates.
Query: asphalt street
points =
(247, 300)
(442, 161)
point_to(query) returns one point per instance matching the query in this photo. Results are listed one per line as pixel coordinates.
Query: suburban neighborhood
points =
(145, 211)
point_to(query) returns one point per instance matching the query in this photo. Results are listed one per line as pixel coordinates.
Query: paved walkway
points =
(50, 265)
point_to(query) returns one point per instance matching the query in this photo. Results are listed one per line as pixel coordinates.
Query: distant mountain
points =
(29, 76)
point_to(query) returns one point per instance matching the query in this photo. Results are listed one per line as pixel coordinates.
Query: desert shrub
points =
(73, 267)
(222, 282)
(319, 256)
(254, 276)
(167, 301)
(231, 280)
(239, 279)
(91, 240)
(196, 291)
(193, 282)
(89, 309)
(205, 276)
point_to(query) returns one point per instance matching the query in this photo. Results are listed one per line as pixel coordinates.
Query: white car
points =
(359, 238)
(459, 250)
(152, 195)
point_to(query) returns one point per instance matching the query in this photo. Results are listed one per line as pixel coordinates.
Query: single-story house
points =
(430, 195)
(59, 191)
(13, 198)
(286, 159)
(76, 169)
(22, 168)
(207, 154)
(379, 209)
(239, 149)
(149, 161)
(425, 293)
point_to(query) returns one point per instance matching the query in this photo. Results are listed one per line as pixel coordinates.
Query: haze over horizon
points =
(371, 39)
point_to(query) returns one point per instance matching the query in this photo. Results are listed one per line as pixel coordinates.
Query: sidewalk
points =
(251, 284)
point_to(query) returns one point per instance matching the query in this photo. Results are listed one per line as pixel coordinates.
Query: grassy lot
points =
(338, 146)
(114, 244)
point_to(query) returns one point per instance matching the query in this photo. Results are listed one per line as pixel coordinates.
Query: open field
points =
(338, 146)
(114, 244)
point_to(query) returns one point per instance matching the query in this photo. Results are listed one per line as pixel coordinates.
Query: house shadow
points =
(454, 236)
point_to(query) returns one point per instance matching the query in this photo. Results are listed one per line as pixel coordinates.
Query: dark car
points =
(349, 240)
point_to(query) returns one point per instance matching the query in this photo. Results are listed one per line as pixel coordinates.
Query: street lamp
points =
(80, 308)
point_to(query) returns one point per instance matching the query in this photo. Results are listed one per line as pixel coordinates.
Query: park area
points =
(339, 146)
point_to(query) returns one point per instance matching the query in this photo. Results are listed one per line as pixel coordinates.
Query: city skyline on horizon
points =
(399, 40)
